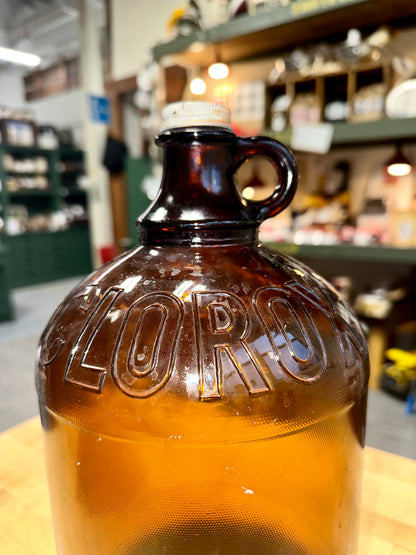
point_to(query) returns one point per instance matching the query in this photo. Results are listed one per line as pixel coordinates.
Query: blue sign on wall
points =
(99, 109)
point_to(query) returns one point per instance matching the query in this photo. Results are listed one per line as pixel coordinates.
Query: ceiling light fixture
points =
(19, 57)
(399, 165)
(197, 86)
(218, 70)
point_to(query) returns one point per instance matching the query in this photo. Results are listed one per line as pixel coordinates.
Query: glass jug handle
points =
(285, 166)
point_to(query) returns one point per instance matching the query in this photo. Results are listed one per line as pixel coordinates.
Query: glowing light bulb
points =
(399, 164)
(398, 170)
(197, 86)
(218, 70)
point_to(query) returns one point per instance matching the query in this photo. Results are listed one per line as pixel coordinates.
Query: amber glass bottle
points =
(203, 394)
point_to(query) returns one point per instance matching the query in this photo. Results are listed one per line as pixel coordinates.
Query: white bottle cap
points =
(191, 114)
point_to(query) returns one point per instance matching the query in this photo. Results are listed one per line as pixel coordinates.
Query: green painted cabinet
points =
(39, 256)
(6, 309)
(137, 200)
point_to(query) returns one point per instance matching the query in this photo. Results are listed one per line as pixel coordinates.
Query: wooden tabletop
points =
(388, 523)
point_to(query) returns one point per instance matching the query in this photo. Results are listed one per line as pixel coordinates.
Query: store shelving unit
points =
(369, 132)
(41, 256)
(383, 130)
(250, 36)
(262, 34)
(352, 253)
(71, 164)
(269, 35)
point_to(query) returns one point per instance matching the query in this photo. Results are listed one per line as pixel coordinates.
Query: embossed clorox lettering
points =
(348, 336)
(147, 344)
(222, 327)
(250, 342)
(87, 365)
(53, 341)
(297, 343)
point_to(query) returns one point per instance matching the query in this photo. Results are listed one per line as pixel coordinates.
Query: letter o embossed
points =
(147, 344)
(296, 342)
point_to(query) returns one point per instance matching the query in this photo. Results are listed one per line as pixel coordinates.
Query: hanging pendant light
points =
(399, 165)
(197, 86)
(218, 70)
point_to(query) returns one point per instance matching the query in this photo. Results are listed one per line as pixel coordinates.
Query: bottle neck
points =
(197, 236)
(198, 201)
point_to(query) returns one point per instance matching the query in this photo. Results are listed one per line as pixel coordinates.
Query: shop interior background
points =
(335, 81)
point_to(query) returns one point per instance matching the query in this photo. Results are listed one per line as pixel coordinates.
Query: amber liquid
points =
(295, 493)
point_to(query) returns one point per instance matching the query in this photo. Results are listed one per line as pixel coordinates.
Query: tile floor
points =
(388, 427)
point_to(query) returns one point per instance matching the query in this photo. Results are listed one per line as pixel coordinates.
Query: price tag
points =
(316, 138)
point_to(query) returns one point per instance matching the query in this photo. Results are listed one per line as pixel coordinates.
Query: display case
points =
(46, 238)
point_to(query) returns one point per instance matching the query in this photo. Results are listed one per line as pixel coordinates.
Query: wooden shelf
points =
(369, 132)
(386, 255)
(248, 36)
(383, 130)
